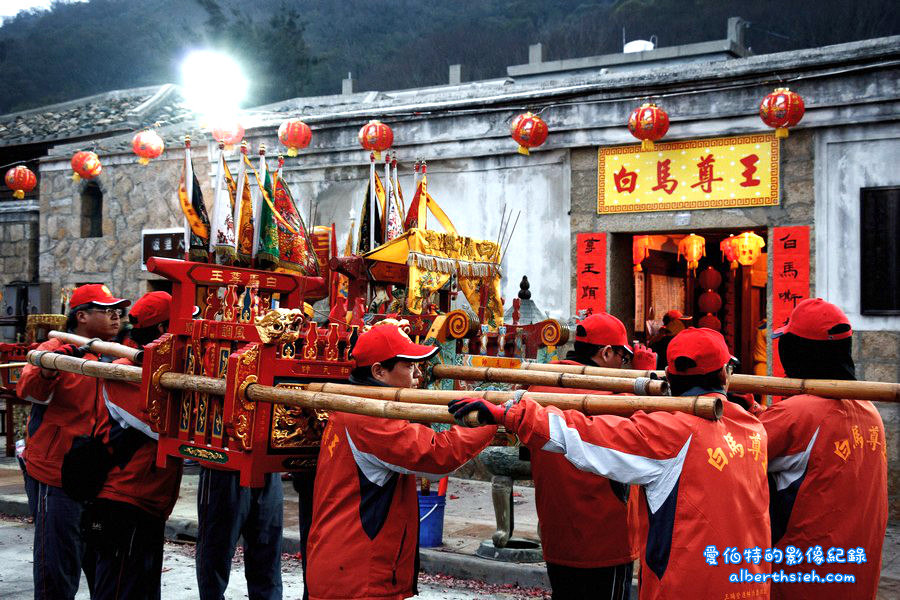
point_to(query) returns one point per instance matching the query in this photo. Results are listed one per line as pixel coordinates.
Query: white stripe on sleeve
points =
(379, 471)
(658, 476)
(791, 467)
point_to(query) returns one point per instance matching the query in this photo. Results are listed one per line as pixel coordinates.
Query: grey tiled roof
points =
(104, 114)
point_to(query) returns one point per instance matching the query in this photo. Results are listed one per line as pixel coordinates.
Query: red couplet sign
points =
(590, 295)
(790, 277)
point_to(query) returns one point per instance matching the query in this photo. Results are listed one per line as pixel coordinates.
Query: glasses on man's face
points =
(622, 352)
(112, 313)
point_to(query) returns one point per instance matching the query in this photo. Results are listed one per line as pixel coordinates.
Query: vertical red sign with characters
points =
(590, 295)
(790, 277)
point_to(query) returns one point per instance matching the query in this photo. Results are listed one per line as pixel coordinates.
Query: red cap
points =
(151, 309)
(95, 293)
(815, 319)
(705, 347)
(603, 329)
(383, 342)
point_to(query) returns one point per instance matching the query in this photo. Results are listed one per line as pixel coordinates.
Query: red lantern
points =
(692, 248)
(781, 109)
(147, 145)
(729, 250)
(376, 137)
(640, 249)
(529, 131)
(229, 134)
(21, 180)
(86, 165)
(648, 123)
(710, 322)
(748, 246)
(709, 279)
(294, 134)
(709, 302)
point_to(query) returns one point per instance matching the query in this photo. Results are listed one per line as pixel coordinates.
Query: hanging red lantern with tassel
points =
(648, 123)
(86, 165)
(20, 180)
(147, 145)
(295, 135)
(692, 248)
(640, 249)
(529, 131)
(376, 137)
(729, 251)
(229, 134)
(749, 247)
(781, 109)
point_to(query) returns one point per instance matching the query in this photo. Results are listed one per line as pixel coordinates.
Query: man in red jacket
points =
(827, 465)
(702, 480)
(126, 523)
(589, 524)
(363, 543)
(65, 406)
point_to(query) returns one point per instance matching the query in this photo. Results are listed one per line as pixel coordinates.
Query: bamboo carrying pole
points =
(641, 386)
(707, 407)
(99, 346)
(255, 392)
(757, 384)
(396, 403)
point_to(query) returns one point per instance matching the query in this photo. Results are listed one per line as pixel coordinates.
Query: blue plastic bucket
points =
(431, 519)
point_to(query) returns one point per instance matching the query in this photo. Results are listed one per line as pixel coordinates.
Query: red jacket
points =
(828, 466)
(73, 408)
(364, 536)
(140, 482)
(586, 521)
(702, 484)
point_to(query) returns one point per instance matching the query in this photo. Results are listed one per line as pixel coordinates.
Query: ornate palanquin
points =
(241, 337)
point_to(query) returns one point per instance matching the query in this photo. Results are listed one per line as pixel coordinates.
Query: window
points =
(879, 251)
(91, 211)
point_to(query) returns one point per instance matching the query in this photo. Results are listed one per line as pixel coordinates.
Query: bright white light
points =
(213, 84)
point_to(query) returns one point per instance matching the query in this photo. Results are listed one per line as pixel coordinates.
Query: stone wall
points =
(18, 241)
(134, 197)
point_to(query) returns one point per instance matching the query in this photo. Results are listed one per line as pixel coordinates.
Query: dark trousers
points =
(303, 484)
(127, 545)
(227, 511)
(571, 583)
(59, 551)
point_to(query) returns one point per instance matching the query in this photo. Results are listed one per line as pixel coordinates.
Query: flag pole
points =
(189, 192)
(388, 196)
(239, 198)
(257, 204)
(217, 209)
(373, 201)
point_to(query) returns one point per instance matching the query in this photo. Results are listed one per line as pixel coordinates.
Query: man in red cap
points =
(674, 322)
(589, 547)
(126, 523)
(65, 406)
(827, 464)
(702, 480)
(364, 537)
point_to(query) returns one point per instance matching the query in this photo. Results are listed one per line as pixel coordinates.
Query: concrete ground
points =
(450, 572)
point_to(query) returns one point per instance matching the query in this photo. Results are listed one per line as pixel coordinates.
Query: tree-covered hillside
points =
(305, 47)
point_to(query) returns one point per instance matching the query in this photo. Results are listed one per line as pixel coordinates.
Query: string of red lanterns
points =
(147, 145)
(20, 180)
(376, 137)
(529, 131)
(648, 123)
(295, 135)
